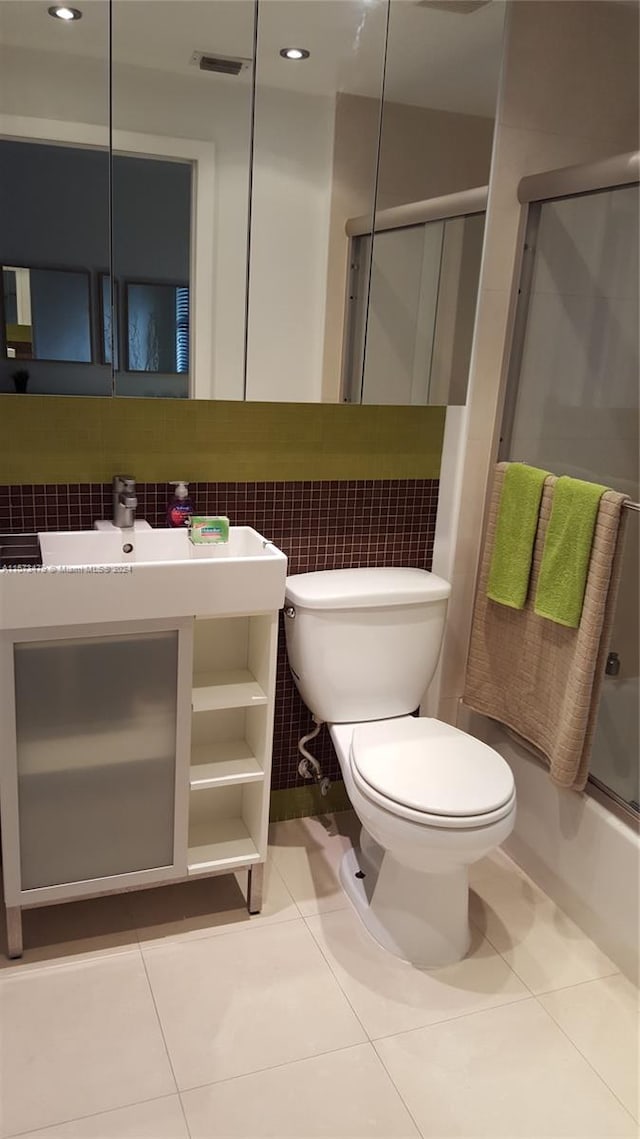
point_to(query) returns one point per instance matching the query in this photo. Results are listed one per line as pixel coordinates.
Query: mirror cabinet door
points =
(54, 198)
(317, 121)
(182, 113)
(441, 83)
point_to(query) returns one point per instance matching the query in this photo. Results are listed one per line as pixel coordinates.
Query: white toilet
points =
(363, 645)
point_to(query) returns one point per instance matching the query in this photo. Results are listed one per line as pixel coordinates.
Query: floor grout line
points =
(546, 992)
(173, 940)
(28, 968)
(336, 978)
(325, 910)
(576, 984)
(90, 1115)
(269, 1068)
(483, 933)
(586, 1059)
(137, 943)
(274, 866)
(164, 1040)
(588, 981)
(184, 1114)
(274, 1067)
(370, 1041)
(400, 1095)
(401, 1032)
(450, 1019)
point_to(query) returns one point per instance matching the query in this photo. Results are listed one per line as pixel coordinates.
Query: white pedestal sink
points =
(90, 576)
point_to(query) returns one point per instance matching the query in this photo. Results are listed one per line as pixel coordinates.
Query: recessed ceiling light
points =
(294, 53)
(61, 12)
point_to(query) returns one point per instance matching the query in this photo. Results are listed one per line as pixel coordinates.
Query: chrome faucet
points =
(124, 501)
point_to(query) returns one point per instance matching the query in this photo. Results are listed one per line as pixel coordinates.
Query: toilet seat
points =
(430, 772)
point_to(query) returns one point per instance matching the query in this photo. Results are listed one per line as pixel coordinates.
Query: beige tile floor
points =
(171, 1014)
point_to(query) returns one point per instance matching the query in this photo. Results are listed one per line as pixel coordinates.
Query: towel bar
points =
(629, 505)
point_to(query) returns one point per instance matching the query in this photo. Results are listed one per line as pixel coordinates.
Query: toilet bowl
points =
(424, 824)
(363, 645)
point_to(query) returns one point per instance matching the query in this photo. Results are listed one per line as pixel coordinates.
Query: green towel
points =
(515, 535)
(567, 551)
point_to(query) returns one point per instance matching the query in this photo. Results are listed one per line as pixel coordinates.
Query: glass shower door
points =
(616, 747)
(573, 408)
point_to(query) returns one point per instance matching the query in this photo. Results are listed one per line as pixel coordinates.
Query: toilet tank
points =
(363, 644)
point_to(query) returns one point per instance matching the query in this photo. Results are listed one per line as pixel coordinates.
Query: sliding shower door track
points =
(607, 798)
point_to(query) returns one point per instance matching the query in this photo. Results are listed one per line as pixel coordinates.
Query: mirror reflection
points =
(441, 81)
(54, 194)
(47, 314)
(418, 324)
(157, 323)
(400, 98)
(151, 253)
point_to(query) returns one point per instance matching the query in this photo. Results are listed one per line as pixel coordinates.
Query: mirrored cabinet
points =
(195, 197)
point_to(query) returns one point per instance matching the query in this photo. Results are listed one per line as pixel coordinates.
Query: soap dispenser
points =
(180, 506)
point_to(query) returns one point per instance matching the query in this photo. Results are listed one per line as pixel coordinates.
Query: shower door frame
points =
(534, 191)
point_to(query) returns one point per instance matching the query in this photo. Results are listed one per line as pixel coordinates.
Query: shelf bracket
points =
(255, 880)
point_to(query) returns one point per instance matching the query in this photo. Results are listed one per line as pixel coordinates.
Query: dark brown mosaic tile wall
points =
(318, 525)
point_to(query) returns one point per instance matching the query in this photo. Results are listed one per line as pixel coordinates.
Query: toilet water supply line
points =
(309, 767)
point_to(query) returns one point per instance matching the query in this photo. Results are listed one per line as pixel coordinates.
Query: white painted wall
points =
(454, 446)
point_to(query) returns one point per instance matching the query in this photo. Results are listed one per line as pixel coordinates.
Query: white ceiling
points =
(443, 59)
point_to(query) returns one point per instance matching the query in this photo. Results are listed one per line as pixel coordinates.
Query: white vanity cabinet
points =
(134, 754)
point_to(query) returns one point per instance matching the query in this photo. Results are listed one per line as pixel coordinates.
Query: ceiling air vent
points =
(222, 64)
(460, 7)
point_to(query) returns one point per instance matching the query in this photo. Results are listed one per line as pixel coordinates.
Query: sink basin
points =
(92, 576)
(103, 548)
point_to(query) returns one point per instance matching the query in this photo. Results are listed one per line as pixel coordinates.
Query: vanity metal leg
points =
(254, 888)
(14, 931)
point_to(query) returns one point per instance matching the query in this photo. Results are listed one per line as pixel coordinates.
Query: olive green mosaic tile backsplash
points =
(62, 439)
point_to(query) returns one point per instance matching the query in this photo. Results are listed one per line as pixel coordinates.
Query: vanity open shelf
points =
(229, 746)
(234, 689)
(231, 728)
(224, 763)
(224, 828)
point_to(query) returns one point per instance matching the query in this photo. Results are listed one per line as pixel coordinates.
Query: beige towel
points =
(542, 680)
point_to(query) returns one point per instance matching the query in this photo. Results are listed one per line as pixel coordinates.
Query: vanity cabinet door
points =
(96, 756)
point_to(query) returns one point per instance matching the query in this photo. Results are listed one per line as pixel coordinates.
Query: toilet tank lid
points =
(364, 588)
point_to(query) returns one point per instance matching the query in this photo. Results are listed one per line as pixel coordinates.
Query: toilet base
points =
(421, 918)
